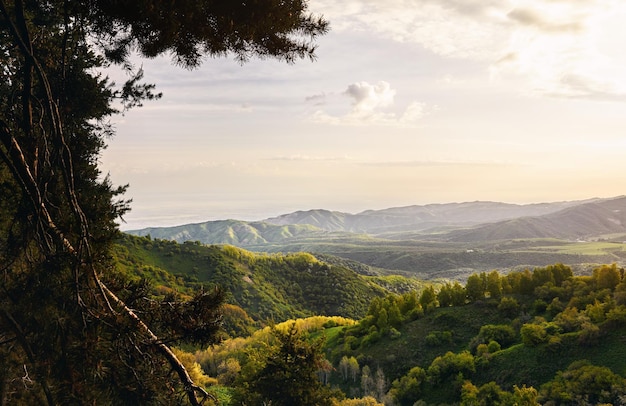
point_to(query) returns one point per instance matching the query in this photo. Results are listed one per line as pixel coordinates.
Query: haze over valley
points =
(434, 241)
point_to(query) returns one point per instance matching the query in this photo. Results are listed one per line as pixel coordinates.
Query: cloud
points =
(368, 98)
(532, 18)
(579, 87)
(535, 43)
(316, 99)
(370, 106)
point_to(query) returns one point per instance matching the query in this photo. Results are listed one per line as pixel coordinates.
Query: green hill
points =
(545, 336)
(266, 286)
(235, 232)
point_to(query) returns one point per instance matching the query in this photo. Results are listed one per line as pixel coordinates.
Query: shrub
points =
(508, 307)
(533, 334)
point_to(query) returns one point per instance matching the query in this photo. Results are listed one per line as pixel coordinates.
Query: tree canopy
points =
(73, 330)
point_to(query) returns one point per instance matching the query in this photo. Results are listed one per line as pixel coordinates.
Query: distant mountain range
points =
(434, 241)
(471, 221)
(579, 222)
(417, 218)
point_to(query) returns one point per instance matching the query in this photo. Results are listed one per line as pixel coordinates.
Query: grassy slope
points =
(516, 365)
(275, 286)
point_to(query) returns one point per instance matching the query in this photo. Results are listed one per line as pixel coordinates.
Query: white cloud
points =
(368, 98)
(534, 43)
(370, 103)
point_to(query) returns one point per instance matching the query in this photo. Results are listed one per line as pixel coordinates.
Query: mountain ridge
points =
(588, 220)
(438, 242)
(385, 223)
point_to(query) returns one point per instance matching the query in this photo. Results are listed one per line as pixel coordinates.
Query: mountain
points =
(417, 218)
(435, 241)
(580, 222)
(235, 232)
(319, 223)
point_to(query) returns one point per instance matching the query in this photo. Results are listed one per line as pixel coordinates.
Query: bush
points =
(450, 364)
(533, 335)
(502, 333)
(583, 383)
(436, 338)
(493, 347)
(407, 390)
(589, 335)
(509, 307)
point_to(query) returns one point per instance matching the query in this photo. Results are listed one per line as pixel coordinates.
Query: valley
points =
(405, 308)
(447, 241)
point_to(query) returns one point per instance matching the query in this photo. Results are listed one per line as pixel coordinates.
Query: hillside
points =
(408, 344)
(267, 286)
(528, 338)
(581, 222)
(235, 232)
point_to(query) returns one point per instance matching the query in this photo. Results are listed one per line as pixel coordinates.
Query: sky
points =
(409, 102)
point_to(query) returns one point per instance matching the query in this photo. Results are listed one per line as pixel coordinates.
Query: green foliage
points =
(287, 373)
(451, 364)
(427, 360)
(509, 307)
(607, 277)
(276, 286)
(428, 298)
(494, 285)
(408, 389)
(475, 288)
(437, 338)
(533, 334)
(503, 334)
(583, 383)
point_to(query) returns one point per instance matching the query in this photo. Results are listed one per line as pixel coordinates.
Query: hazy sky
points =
(409, 102)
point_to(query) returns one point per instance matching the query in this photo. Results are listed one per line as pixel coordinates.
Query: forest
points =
(541, 336)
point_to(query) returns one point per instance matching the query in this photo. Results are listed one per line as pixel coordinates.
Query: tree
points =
(475, 288)
(533, 334)
(407, 389)
(584, 383)
(494, 285)
(367, 381)
(607, 277)
(503, 334)
(353, 368)
(428, 298)
(380, 383)
(450, 364)
(344, 366)
(459, 294)
(288, 373)
(83, 332)
(349, 368)
(444, 297)
(509, 307)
